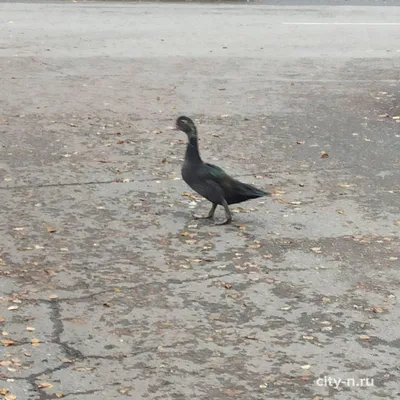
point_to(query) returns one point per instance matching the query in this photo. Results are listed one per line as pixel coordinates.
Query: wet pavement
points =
(109, 290)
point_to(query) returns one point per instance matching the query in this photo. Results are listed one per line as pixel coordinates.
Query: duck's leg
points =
(209, 215)
(228, 214)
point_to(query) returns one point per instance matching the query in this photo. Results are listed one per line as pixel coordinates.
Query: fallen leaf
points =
(60, 395)
(7, 342)
(344, 185)
(250, 337)
(35, 342)
(156, 132)
(10, 397)
(326, 299)
(30, 328)
(106, 305)
(233, 392)
(316, 249)
(5, 363)
(67, 361)
(124, 390)
(377, 310)
(364, 337)
(285, 308)
(324, 154)
(163, 161)
(307, 366)
(11, 308)
(3, 391)
(277, 192)
(121, 142)
(45, 385)
(228, 285)
(326, 328)
(340, 211)
(53, 296)
(306, 337)
(50, 229)
(300, 142)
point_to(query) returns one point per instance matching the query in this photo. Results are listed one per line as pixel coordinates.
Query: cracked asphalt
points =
(109, 290)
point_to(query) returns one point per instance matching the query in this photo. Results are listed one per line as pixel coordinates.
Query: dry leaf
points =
(377, 310)
(5, 363)
(306, 337)
(53, 296)
(364, 337)
(45, 385)
(300, 142)
(50, 229)
(124, 390)
(233, 392)
(156, 131)
(316, 249)
(30, 328)
(13, 308)
(3, 391)
(340, 211)
(59, 395)
(277, 192)
(228, 285)
(10, 397)
(344, 185)
(35, 342)
(7, 342)
(326, 328)
(324, 154)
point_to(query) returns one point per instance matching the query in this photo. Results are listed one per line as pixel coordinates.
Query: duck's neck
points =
(192, 150)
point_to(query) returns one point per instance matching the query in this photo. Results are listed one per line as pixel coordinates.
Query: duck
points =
(209, 180)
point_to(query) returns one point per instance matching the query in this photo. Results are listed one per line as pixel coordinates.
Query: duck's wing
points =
(213, 172)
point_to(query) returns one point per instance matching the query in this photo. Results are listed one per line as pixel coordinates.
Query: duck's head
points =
(185, 124)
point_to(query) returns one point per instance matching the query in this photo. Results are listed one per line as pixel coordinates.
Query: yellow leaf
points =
(35, 342)
(233, 392)
(7, 342)
(45, 385)
(3, 391)
(10, 397)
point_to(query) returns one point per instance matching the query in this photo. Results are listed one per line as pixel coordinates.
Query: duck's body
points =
(211, 181)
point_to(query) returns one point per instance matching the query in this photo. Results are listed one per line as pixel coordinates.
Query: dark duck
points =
(211, 181)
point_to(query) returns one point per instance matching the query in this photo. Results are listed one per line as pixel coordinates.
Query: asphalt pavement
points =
(110, 290)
